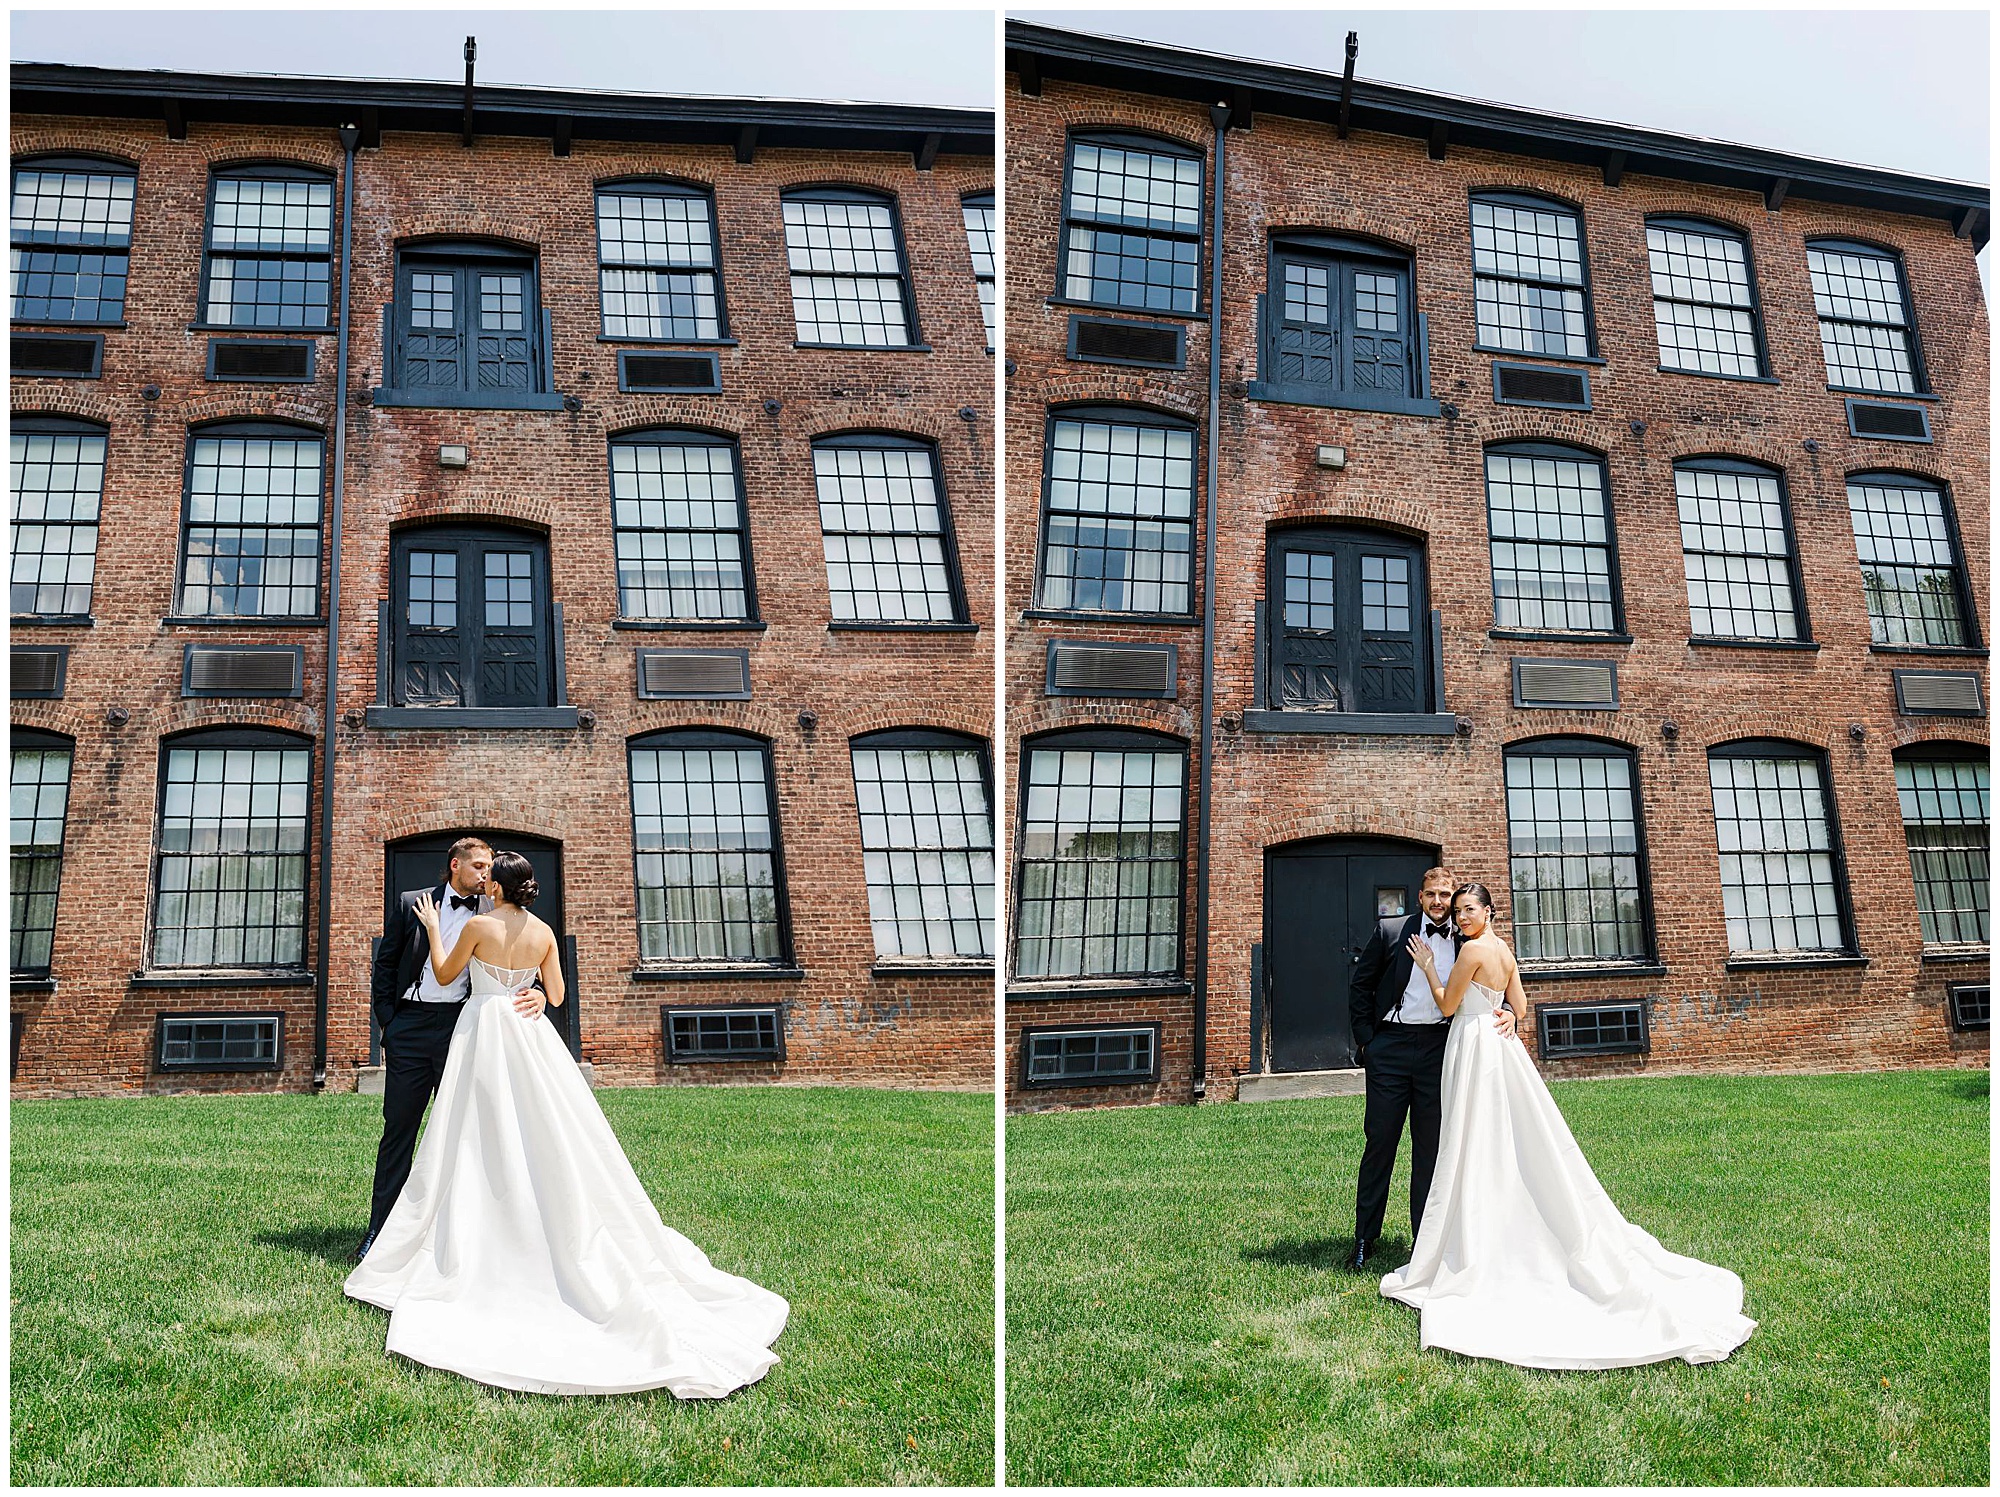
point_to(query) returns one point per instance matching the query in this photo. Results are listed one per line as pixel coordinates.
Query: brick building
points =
(1596, 510)
(628, 459)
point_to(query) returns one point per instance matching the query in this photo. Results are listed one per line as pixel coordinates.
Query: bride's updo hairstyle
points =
(516, 877)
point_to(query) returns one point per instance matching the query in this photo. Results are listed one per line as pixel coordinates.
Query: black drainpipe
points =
(350, 137)
(1219, 115)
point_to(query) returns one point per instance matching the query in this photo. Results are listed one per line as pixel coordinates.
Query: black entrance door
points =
(1321, 902)
(422, 862)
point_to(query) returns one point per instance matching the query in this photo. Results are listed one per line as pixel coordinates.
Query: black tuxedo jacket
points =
(1381, 974)
(401, 954)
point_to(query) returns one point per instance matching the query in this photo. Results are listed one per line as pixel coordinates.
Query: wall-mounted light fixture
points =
(454, 455)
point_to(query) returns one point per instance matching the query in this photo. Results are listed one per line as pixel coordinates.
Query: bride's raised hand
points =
(426, 912)
(1420, 953)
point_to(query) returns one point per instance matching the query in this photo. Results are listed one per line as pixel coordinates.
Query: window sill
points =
(28, 983)
(1067, 616)
(242, 621)
(471, 717)
(1884, 394)
(702, 626)
(1112, 307)
(1802, 962)
(858, 626)
(212, 977)
(1739, 379)
(235, 330)
(1552, 358)
(1109, 987)
(1719, 643)
(869, 347)
(623, 340)
(53, 621)
(1970, 652)
(717, 973)
(1598, 969)
(1340, 400)
(1553, 637)
(1424, 724)
(464, 400)
(1972, 952)
(32, 324)
(932, 969)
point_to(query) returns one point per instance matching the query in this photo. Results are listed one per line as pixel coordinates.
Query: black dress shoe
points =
(362, 1252)
(1363, 1246)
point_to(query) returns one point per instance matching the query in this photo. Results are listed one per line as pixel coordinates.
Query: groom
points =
(1400, 1033)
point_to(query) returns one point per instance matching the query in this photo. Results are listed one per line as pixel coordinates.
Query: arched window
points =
(1912, 572)
(269, 260)
(1102, 855)
(1867, 325)
(850, 284)
(890, 556)
(41, 810)
(1348, 625)
(1704, 298)
(1132, 224)
(1576, 852)
(1740, 557)
(705, 845)
(72, 239)
(1784, 891)
(250, 532)
(682, 529)
(57, 481)
(1530, 276)
(472, 618)
(978, 210)
(927, 843)
(1945, 792)
(659, 277)
(1118, 512)
(1555, 553)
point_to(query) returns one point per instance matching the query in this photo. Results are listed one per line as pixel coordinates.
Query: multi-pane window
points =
(40, 803)
(657, 273)
(1774, 832)
(230, 885)
(1946, 811)
(1865, 327)
(1346, 623)
(471, 618)
(848, 282)
(1736, 543)
(1132, 224)
(1550, 524)
(978, 211)
(56, 473)
(251, 540)
(72, 240)
(886, 536)
(1102, 857)
(270, 248)
(706, 849)
(1704, 304)
(1118, 536)
(678, 515)
(1340, 327)
(927, 844)
(1910, 569)
(1573, 848)
(468, 326)
(1528, 276)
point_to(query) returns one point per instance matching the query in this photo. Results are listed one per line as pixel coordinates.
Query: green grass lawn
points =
(177, 1314)
(1177, 1312)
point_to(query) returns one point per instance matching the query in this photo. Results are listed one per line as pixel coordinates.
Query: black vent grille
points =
(1589, 684)
(37, 670)
(1091, 1057)
(1527, 384)
(669, 371)
(1939, 694)
(221, 1042)
(722, 1033)
(1893, 423)
(244, 671)
(1158, 345)
(259, 359)
(702, 674)
(1592, 1029)
(1972, 1006)
(1110, 670)
(71, 358)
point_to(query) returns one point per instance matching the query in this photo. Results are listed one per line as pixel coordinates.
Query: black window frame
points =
(663, 187)
(1715, 229)
(1350, 539)
(269, 171)
(467, 260)
(836, 192)
(987, 201)
(39, 740)
(933, 738)
(1919, 370)
(1345, 256)
(110, 166)
(1726, 463)
(1130, 140)
(1560, 452)
(52, 425)
(1788, 748)
(1135, 740)
(1537, 203)
(696, 1012)
(463, 540)
(1032, 1032)
(224, 431)
(1968, 612)
(696, 737)
(1572, 745)
(896, 441)
(233, 737)
(274, 1017)
(1545, 1013)
(685, 436)
(1947, 751)
(1126, 415)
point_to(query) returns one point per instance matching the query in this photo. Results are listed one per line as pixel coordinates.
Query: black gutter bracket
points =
(746, 146)
(1774, 193)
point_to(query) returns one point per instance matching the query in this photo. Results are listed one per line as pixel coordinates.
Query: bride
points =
(523, 1252)
(1522, 1257)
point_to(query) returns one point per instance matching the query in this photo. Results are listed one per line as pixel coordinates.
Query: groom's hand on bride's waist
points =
(1503, 1020)
(529, 1005)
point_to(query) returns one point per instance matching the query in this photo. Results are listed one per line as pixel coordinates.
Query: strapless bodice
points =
(1480, 999)
(488, 979)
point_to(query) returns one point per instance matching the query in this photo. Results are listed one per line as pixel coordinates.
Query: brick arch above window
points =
(227, 155)
(882, 417)
(1193, 146)
(530, 511)
(1128, 388)
(777, 725)
(84, 159)
(1530, 741)
(446, 229)
(1042, 716)
(888, 720)
(251, 405)
(1915, 733)
(1356, 821)
(651, 179)
(1350, 508)
(197, 714)
(519, 810)
(64, 719)
(76, 405)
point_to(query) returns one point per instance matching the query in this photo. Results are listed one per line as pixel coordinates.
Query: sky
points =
(926, 57)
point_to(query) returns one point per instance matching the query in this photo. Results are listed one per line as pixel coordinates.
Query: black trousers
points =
(1405, 1080)
(414, 1046)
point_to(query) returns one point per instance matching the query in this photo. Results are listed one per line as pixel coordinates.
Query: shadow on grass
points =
(1326, 1252)
(331, 1244)
(1971, 1086)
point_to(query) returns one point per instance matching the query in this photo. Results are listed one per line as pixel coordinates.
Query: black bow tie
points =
(469, 902)
(1436, 930)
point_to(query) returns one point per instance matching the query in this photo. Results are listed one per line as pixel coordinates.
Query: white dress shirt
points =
(1417, 1005)
(427, 988)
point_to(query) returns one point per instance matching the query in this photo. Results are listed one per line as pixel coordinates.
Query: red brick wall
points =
(1425, 476)
(546, 471)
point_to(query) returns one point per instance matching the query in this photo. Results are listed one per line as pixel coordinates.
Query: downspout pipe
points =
(350, 137)
(1219, 117)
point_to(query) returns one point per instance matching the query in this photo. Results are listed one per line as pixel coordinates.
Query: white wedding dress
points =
(524, 1252)
(1522, 1257)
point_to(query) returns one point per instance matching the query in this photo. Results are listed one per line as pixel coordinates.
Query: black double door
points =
(1321, 903)
(423, 863)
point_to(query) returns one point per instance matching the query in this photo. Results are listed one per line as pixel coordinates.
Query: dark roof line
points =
(1251, 87)
(563, 114)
